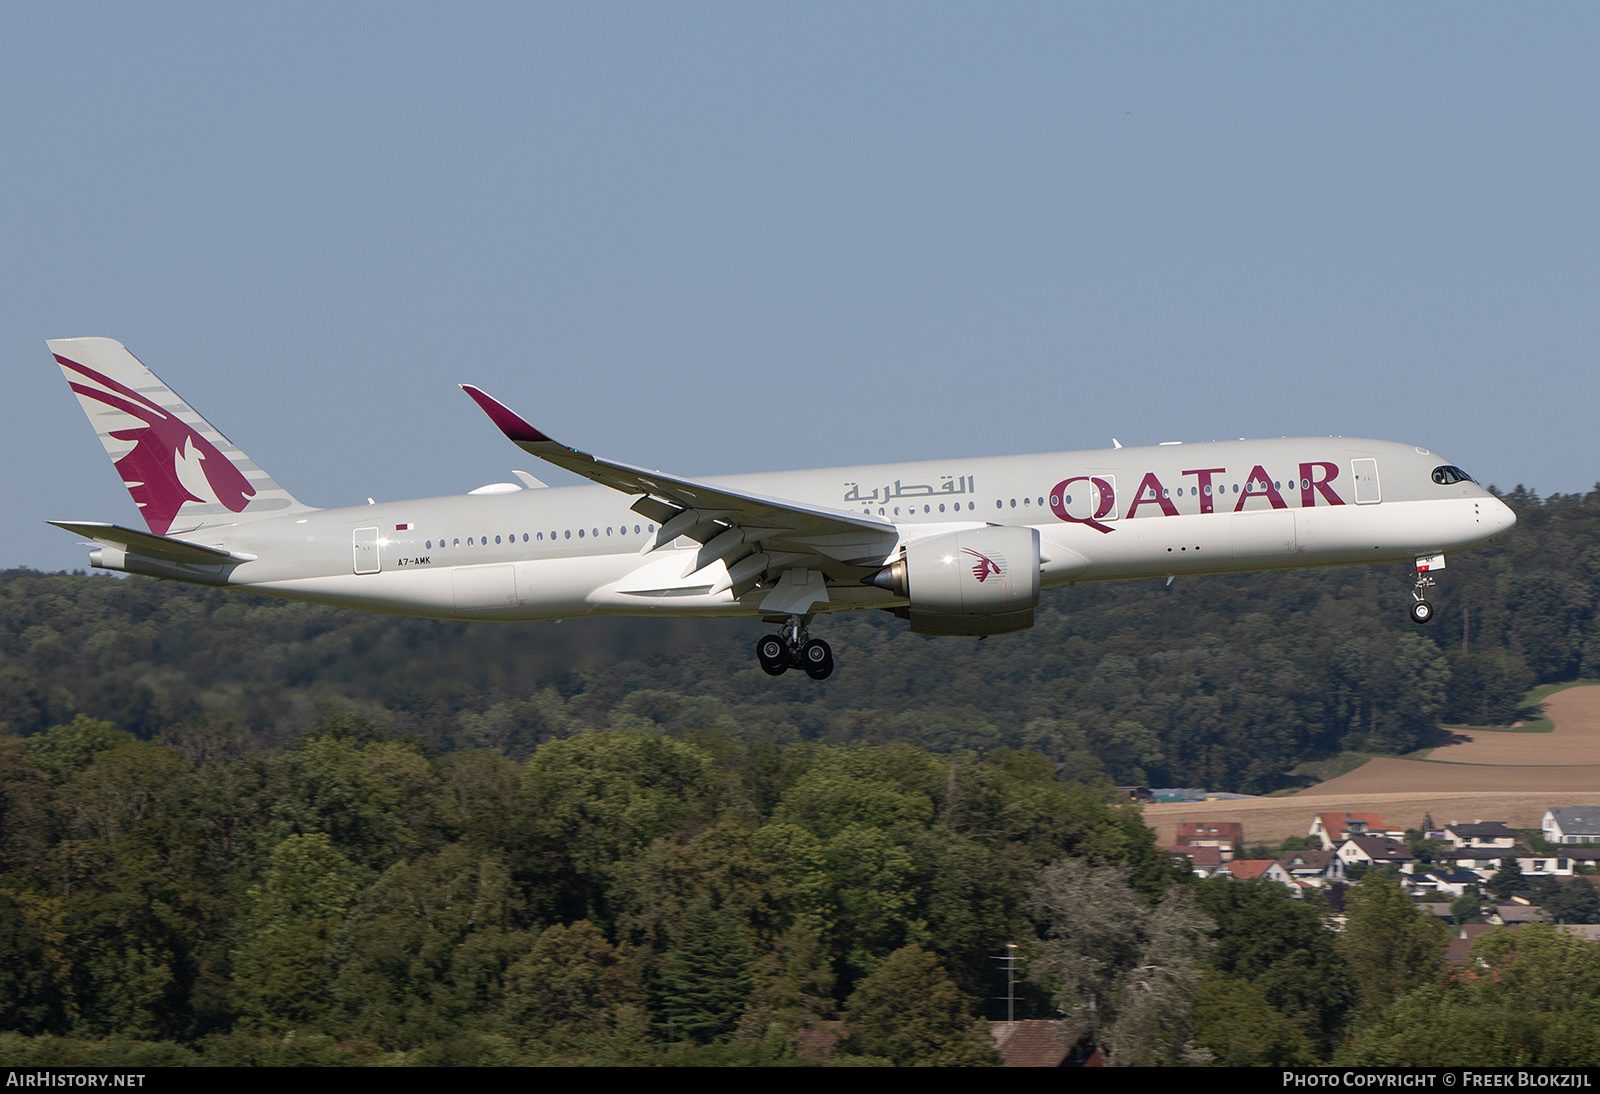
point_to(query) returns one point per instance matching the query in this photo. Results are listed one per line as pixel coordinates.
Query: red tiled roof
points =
(1205, 857)
(1334, 823)
(1033, 1042)
(1250, 867)
(815, 1041)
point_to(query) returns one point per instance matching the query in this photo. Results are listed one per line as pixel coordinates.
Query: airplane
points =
(954, 547)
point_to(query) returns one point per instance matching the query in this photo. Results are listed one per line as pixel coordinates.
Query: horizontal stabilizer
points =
(152, 546)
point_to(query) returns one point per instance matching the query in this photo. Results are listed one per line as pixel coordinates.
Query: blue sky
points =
(717, 238)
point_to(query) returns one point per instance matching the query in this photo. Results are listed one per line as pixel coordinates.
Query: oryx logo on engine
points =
(985, 566)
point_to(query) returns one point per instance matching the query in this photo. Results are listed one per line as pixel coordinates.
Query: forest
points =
(241, 831)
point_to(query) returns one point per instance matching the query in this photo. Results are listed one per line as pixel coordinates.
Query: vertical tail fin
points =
(179, 467)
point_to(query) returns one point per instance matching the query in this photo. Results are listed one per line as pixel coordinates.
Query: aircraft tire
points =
(1421, 612)
(817, 657)
(773, 655)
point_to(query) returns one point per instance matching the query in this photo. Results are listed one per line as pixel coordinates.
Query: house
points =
(1556, 865)
(1455, 883)
(1571, 824)
(1375, 851)
(1484, 860)
(815, 1041)
(1226, 836)
(1313, 868)
(1460, 947)
(1331, 828)
(1589, 932)
(1244, 869)
(1204, 861)
(1032, 1042)
(1481, 834)
(1509, 915)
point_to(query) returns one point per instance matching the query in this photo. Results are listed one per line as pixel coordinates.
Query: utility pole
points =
(1010, 962)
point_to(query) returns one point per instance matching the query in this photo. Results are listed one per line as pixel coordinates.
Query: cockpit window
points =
(1446, 475)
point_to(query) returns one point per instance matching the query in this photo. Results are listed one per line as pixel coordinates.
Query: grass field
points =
(1510, 775)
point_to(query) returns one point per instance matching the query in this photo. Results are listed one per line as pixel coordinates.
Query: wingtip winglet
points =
(509, 422)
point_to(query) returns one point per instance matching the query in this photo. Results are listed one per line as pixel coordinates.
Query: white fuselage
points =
(1109, 514)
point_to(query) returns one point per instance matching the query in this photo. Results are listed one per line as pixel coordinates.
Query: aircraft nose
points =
(1498, 515)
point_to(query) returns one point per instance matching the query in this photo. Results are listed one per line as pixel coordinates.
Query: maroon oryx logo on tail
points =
(170, 463)
(985, 566)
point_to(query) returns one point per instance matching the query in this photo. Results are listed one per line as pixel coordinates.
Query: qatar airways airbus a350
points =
(956, 547)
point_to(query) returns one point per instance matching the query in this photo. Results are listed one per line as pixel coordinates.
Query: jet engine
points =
(980, 581)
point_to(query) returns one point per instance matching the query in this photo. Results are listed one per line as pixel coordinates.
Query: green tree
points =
(424, 951)
(910, 1013)
(141, 903)
(62, 751)
(705, 981)
(374, 798)
(35, 977)
(573, 991)
(1282, 947)
(1236, 1023)
(1123, 974)
(657, 891)
(1507, 880)
(1390, 944)
(598, 799)
(1466, 908)
(1575, 902)
(1534, 1002)
(24, 806)
(281, 973)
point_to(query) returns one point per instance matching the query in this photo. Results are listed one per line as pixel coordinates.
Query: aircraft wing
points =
(732, 525)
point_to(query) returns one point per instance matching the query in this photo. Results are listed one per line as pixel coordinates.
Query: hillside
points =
(1224, 682)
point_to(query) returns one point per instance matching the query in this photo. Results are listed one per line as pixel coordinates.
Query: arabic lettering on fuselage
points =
(949, 486)
(1204, 484)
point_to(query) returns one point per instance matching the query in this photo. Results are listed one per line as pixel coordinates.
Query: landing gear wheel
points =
(817, 659)
(1421, 612)
(773, 655)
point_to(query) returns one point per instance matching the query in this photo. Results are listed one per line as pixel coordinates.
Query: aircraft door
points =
(1365, 472)
(1087, 497)
(364, 542)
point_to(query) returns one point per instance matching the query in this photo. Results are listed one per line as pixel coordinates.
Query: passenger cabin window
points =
(1447, 475)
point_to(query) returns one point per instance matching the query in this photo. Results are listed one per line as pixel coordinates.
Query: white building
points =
(1571, 824)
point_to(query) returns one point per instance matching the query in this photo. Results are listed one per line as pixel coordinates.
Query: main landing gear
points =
(790, 648)
(1421, 609)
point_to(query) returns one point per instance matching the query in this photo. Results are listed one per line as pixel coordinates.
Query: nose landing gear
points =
(1421, 609)
(790, 648)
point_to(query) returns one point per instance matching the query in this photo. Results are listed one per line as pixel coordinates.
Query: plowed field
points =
(1482, 775)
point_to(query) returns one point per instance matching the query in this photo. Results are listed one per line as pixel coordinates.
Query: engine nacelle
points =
(974, 582)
